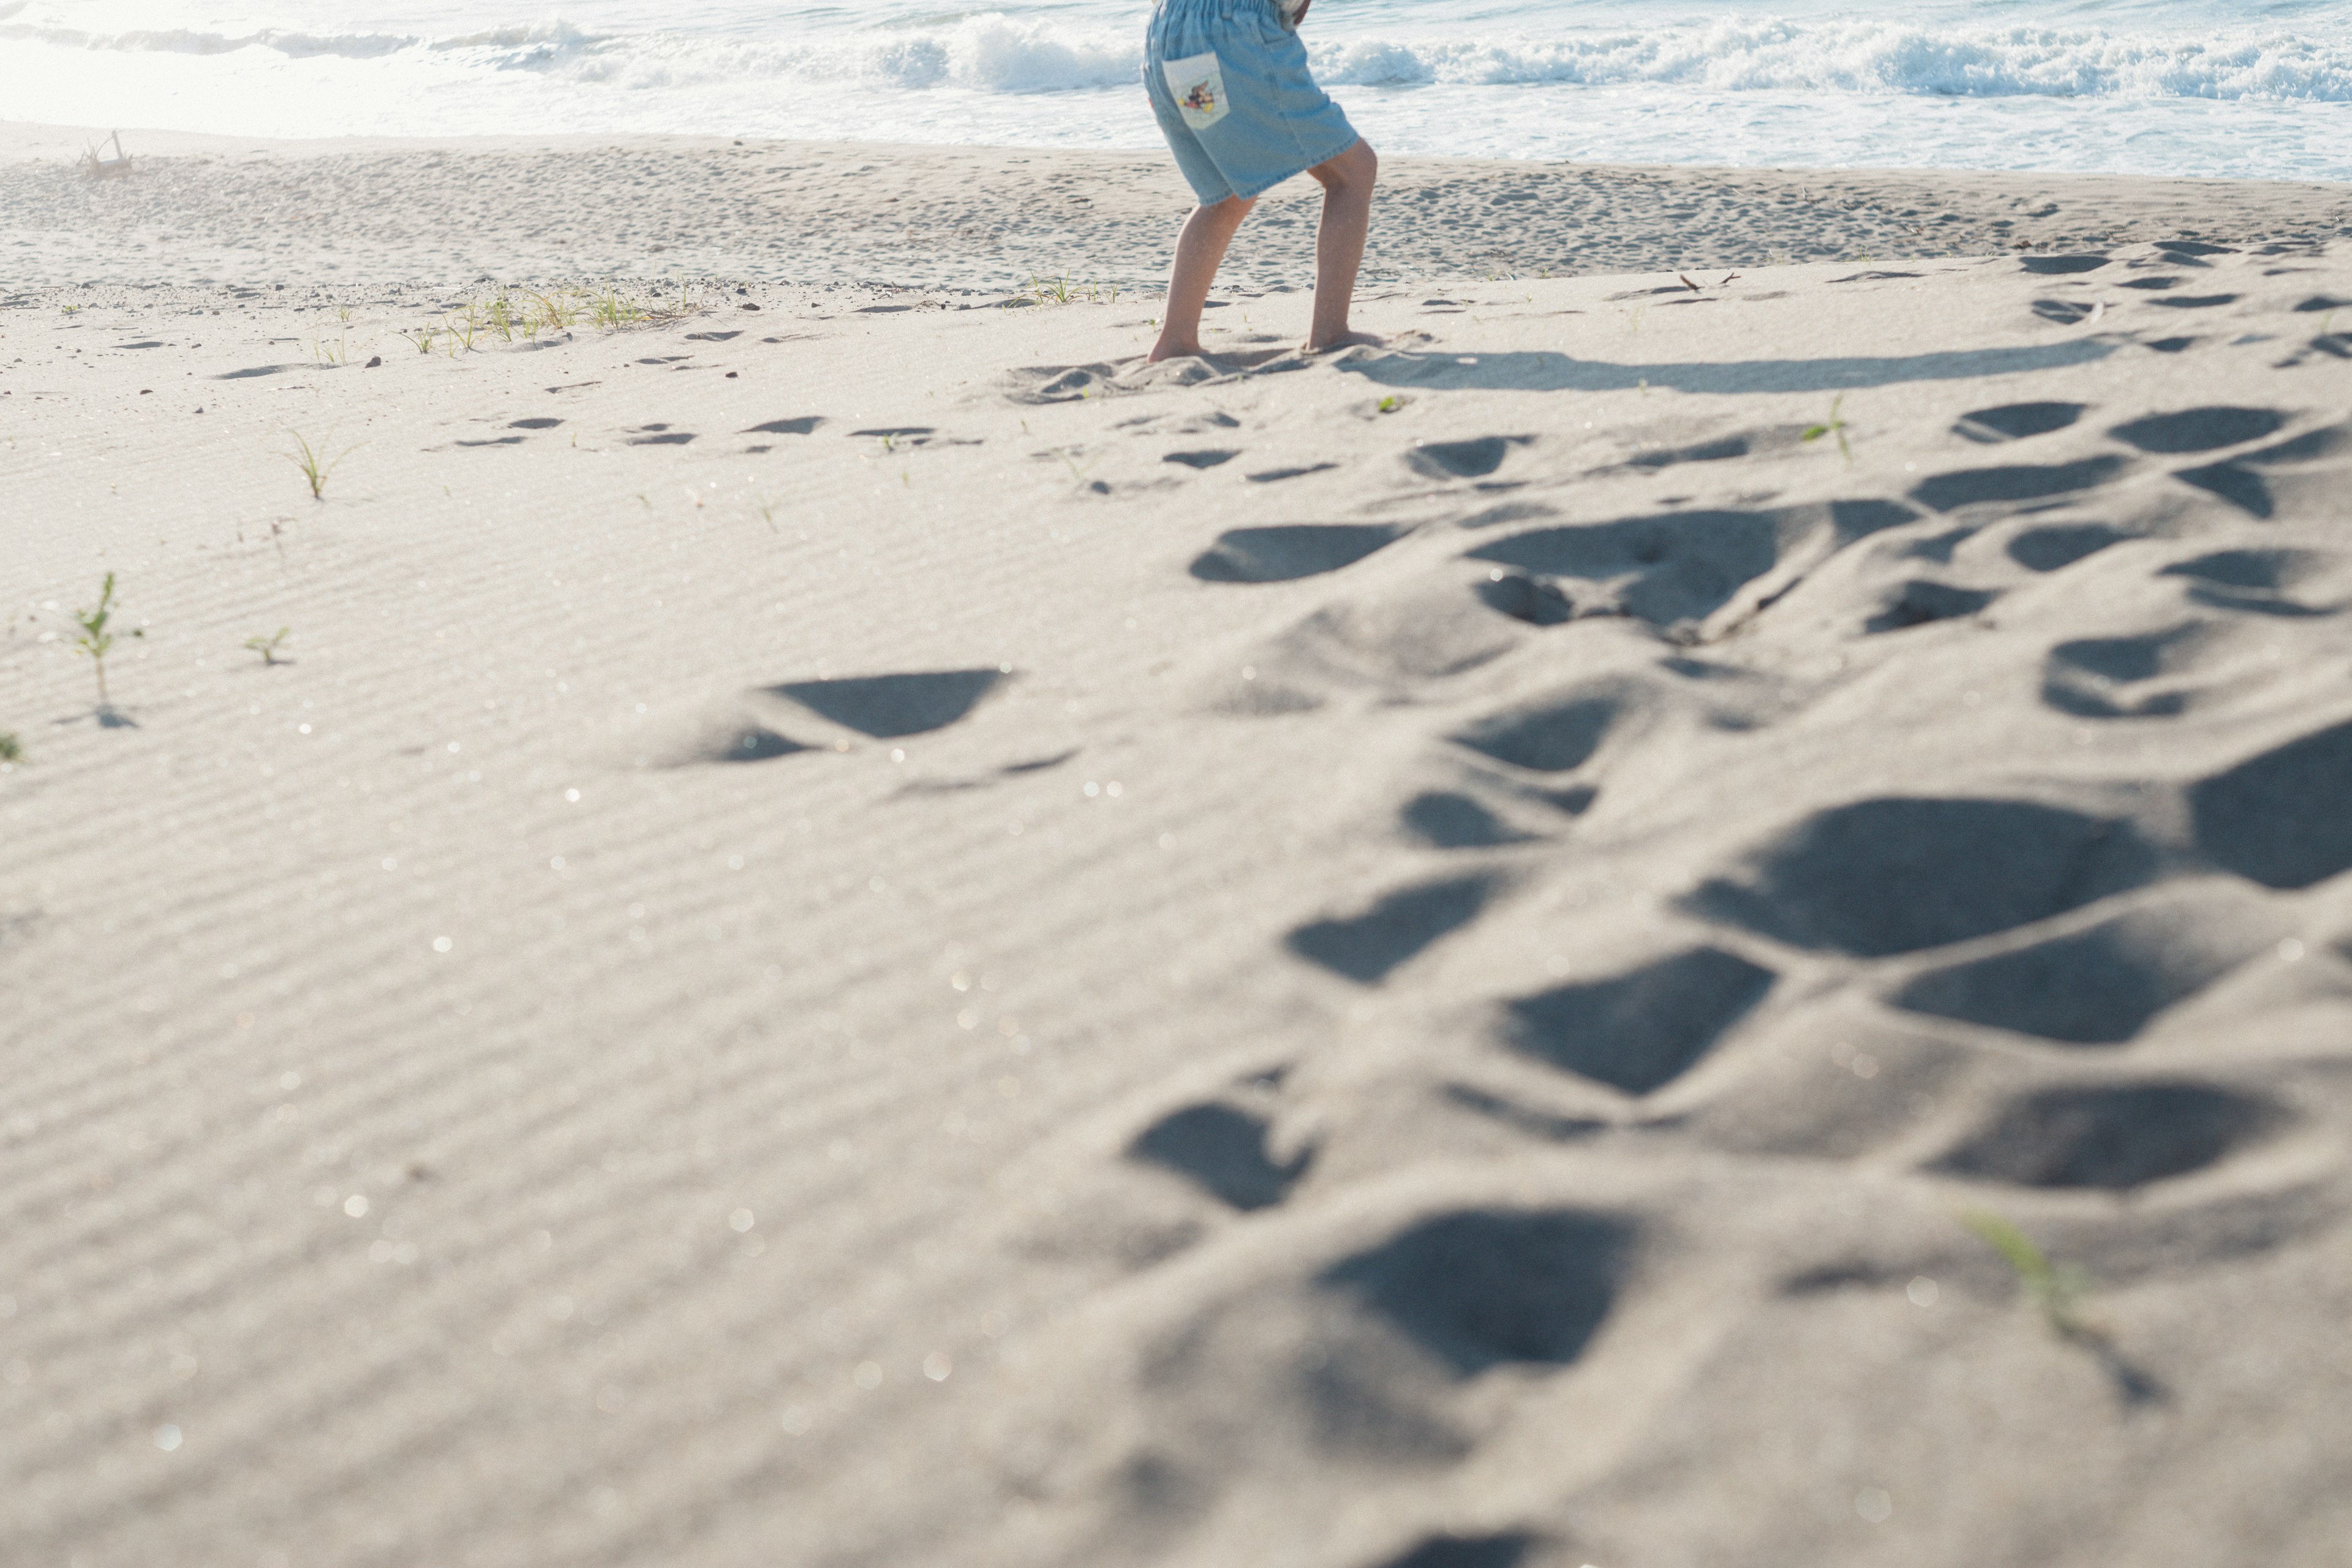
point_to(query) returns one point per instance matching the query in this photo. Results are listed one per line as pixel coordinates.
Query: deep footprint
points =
(2022, 481)
(1549, 737)
(2095, 988)
(1466, 1552)
(2255, 581)
(1223, 1150)
(1489, 1286)
(2017, 421)
(2198, 429)
(1883, 877)
(1448, 821)
(1463, 460)
(1638, 1032)
(887, 706)
(2060, 546)
(1919, 603)
(1288, 551)
(1365, 947)
(2115, 1137)
(2087, 677)
(2282, 818)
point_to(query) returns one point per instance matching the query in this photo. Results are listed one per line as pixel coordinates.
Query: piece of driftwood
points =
(103, 168)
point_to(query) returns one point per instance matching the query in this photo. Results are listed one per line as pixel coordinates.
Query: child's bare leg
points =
(1346, 183)
(1198, 250)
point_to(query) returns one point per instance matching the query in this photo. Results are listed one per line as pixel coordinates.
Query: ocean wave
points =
(546, 40)
(1870, 57)
(994, 53)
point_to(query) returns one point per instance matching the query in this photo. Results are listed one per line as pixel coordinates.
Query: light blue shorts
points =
(1230, 88)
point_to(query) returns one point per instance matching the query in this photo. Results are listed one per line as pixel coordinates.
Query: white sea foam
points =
(2193, 86)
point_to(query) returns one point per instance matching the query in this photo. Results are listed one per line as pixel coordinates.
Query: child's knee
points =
(1354, 169)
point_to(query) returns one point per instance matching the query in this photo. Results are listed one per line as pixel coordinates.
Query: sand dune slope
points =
(888, 937)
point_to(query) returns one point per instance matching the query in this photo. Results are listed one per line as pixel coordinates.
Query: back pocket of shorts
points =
(1197, 84)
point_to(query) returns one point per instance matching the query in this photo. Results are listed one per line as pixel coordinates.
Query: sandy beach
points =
(1691, 917)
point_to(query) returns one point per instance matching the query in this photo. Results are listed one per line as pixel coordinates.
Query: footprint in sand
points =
(1722, 449)
(1485, 1288)
(1922, 602)
(2013, 482)
(2113, 1137)
(1638, 1031)
(2061, 265)
(1445, 820)
(888, 706)
(1288, 551)
(2198, 429)
(2056, 546)
(1203, 459)
(1461, 460)
(2101, 985)
(2115, 678)
(1549, 736)
(540, 424)
(799, 427)
(2017, 421)
(745, 743)
(1223, 1149)
(1899, 873)
(1365, 947)
(2255, 582)
(2284, 816)
(659, 436)
(1538, 602)
(2253, 482)
(1506, 1551)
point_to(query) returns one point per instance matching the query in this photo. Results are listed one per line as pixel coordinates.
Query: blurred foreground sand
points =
(863, 931)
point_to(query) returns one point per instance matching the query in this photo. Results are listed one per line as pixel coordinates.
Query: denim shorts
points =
(1230, 86)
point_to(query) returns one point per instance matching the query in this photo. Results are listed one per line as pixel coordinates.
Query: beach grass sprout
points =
(11, 750)
(2058, 1290)
(96, 637)
(1834, 425)
(269, 648)
(315, 464)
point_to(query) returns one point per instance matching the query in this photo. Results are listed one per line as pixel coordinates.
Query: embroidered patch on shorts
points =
(1199, 84)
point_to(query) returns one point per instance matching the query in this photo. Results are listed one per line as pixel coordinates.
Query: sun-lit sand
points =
(853, 929)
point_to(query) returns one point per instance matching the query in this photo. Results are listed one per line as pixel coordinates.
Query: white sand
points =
(1422, 989)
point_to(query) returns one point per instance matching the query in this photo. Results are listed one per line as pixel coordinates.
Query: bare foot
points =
(1166, 350)
(1347, 341)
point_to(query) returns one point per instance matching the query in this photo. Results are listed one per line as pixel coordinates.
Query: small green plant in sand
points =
(1835, 426)
(269, 648)
(97, 637)
(1064, 289)
(2058, 1290)
(11, 749)
(1391, 403)
(611, 311)
(424, 338)
(315, 464)
(555, 312)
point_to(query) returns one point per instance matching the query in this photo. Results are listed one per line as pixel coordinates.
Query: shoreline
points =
(211, 210)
